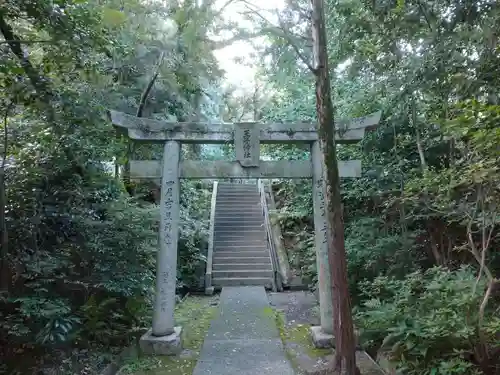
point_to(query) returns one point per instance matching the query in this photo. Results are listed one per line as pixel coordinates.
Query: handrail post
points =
(208, 273)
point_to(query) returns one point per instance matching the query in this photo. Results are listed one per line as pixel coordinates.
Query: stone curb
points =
(386, 365)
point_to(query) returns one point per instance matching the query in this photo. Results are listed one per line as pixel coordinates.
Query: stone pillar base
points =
(320, 339)
(209, 291)
(163, 345)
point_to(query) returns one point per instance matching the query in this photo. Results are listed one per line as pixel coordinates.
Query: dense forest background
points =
(78, 241)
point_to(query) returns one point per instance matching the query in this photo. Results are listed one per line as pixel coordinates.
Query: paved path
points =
(243, 339)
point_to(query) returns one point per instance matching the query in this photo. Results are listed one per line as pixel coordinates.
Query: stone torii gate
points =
(164, 338)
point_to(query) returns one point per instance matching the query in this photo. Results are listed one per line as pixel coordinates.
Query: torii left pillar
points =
(164, 338)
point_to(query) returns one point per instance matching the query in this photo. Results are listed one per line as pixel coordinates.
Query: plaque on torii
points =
(247, 144)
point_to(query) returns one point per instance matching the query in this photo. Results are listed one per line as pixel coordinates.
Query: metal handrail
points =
(277, 284)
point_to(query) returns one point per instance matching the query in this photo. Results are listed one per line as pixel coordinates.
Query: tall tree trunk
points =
(345, 359)
(4, 251)
(196, 104)
(420, 148)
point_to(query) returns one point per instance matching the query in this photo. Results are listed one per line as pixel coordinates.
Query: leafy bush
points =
(373, 250)
(427, 322)
(99, 246)
(94, 279)
(193, 240)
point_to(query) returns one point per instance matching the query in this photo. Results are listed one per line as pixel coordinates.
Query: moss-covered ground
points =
(306, 358)
(194, 314)
(299, 334)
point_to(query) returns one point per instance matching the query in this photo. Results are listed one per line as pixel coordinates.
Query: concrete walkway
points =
(243, 339)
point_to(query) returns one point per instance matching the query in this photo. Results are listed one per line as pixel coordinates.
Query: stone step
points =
(238, 222)
(255, 224)
(235, 242)
(233, 192)
(248, 183)
(238, 211)
(240, 229)
(233, 253)
(241, 266)
(237, 202)
(220, 243)
(230, 186)
(237, 216)
(238, 206)
(252, 229)
(260, 241)
(238, 198)
(240, 217)
(232, 206)
(229, 232)
(243, 281)
(251, 273)
(240, 254)
(253, 220)
(241, 239)
(239, 250)
(233, 260)
(224, 191)
(242, 248)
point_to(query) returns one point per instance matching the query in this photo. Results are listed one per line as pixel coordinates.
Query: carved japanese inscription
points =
(247, 144)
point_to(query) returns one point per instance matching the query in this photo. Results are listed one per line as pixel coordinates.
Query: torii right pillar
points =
(322, 336)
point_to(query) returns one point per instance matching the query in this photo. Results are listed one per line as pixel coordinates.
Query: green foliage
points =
(77, 263)
(428, 195)
(374, 249)
(426, 322)
(193, 241)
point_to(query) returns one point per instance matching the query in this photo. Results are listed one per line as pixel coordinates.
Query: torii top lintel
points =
(144, 129)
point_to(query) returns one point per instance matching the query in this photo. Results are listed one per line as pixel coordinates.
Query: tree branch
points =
(424, 13)
(222, 8)
(243, 35)
(26, 41)
(145, 94)
(285, 34)
(15, 45)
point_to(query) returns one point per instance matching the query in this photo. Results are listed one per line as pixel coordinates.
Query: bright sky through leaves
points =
(239, 73)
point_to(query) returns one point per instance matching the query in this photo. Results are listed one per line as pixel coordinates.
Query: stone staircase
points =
(240, 253)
